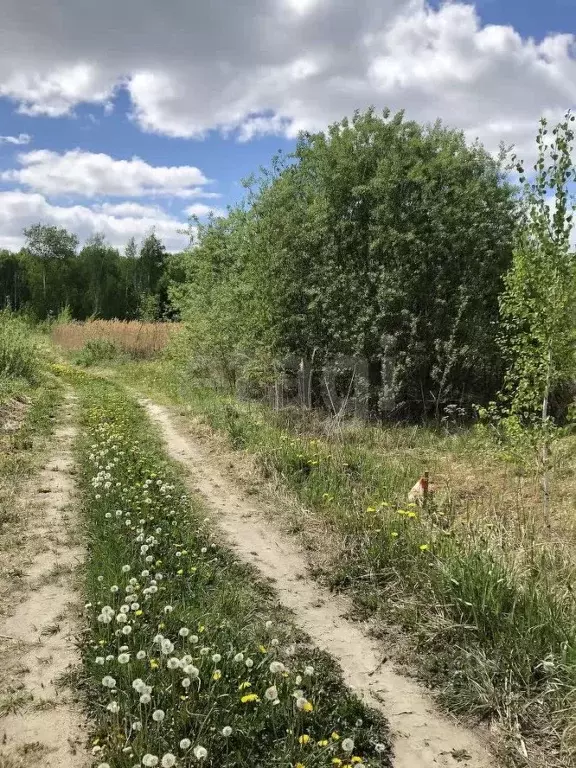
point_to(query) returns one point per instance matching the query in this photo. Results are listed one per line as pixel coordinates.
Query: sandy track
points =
(422, 737)
(42, 723)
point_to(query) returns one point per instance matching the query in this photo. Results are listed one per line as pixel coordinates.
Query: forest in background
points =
(51, 275)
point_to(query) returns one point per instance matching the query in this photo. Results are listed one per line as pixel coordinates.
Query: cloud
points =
(84, 173)
(22, 138)
(278, 66)
(118, 223)
(201, 209)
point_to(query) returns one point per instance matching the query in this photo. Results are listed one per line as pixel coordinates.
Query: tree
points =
(151, 286)
(379, 238)
(538, 305)
(49, 246)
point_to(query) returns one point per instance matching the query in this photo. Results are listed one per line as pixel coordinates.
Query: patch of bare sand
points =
(422, 737)
(40, 721)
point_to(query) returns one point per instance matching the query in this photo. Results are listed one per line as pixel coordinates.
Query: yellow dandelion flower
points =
(323, 743)
(180, 572)
(299, 765)
(153, 664)
(262, 649)
(304, 739)
(216, 675)
(411, 515)
(201, 628)
(394, 534)
(356, 759)
(245, 684)
(308, 707)
(250, 697)
(423, 547)
(139, 612)
(334, 736)
(371, 509)
(336, 761)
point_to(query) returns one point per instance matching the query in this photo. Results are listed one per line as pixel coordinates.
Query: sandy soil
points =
(422, 737)
(40, 722)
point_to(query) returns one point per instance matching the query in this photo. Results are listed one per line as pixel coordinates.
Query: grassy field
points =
(478, 586)
(133, 338)
(187, 659)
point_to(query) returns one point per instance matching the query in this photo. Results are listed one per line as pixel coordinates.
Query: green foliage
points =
(539, 301)
(49, 276)
(379, 238)
(96, 351)
(20, 353)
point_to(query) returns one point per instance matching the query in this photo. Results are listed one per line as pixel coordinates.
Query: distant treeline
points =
(51, 273)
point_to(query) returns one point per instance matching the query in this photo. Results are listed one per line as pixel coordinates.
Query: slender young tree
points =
(538, 305)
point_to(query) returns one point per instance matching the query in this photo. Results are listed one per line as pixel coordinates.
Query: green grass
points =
(21, 354)
(487, 605)
(205, 631)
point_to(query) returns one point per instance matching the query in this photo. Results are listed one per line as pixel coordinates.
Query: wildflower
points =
(204, 651)
(299, 765)
(394, 534)
(158, 715)
(243, 685)
(108, 682)
(271, 693)
(173, 663)
(216, 658)
(99, 660)
(323, 743)
(304, 739)
(125, 569)
(239, 657)
(191, 670)
(149, 761)
(249, 663)
(217, 674)
(200, 752)
(185, 744)
(276, 667)
(423, 547)
(356, 759)
(334, 736)
(137, 726)
(145, 698)
(268, 625)
(166, 647)
(141, 655)
(184, 632)
(309, 671)
(348, 745)
(304, 705)
(249, 697)
(336, 761)
(124, 658)
(193, 639)
(113, 707)
(226, 731)
(168, 760)
(127, 630)
(380, 747)
(186, 682)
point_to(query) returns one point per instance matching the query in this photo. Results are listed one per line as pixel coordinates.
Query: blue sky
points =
(204, 94)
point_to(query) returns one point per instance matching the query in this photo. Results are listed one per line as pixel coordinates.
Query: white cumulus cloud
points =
(278, 66)
(89, 174)
(21, 209)
(201, 209)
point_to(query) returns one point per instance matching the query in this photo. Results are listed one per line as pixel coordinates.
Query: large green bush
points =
(381, 239)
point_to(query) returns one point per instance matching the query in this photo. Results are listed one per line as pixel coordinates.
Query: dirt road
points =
(422, 737)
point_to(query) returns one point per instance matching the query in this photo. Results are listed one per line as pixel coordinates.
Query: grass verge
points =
(187, 659)
(488, 608)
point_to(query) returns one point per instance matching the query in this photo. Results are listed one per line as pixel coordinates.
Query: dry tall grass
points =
(137, 339)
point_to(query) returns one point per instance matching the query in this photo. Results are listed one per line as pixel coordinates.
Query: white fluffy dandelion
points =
(348, 745)
(185, 744)
(200, 752)
(168, 760)
(226, 731)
